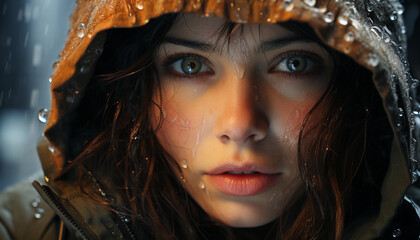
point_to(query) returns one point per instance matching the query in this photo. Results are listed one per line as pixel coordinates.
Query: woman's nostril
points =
(224, 139)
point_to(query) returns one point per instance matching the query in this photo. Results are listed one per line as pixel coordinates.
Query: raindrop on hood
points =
(393, 16)
(329, 17)
(377, 31)
(343, 19)
(396, 233)
(310, 3)
(43, 115)
(372, 60)
(349, 37)
(81, 30)
(140, 5)
(399, 8)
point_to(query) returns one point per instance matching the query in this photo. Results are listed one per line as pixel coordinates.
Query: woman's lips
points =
(246, 180)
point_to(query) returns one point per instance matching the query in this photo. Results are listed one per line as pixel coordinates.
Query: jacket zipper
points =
(53, 199)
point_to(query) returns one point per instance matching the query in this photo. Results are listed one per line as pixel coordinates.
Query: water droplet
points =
(80, 34)
(99, 51)
(393, 16)
(37, 215)
(356, 24)
(377, 31)
(372, 60)
(184, 163)
(396, 233)
(83, 69)
(369, 7)
(329, 17)
(288, 5)
(35, 203)
(43, 115)
(343, 19)
(40, 210)
(201, 185)
(51, 149)
(140, 5)
(55, 65)
(81, 30)
(310, 3)
(89, 35)
(349, 36)
(399, 8)
(400, 112)
(50, 80)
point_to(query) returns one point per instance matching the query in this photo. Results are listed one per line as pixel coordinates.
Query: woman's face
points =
(232, 112)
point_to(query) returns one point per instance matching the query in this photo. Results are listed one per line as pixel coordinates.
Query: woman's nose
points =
(241, 119)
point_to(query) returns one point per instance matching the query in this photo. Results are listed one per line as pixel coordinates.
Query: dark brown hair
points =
(120, 150)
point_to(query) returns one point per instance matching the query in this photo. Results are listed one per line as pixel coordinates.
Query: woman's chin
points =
(242, 215)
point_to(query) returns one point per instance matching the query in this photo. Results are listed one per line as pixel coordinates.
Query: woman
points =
(228, 120)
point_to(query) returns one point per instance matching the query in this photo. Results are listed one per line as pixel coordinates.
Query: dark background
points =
(32, 33)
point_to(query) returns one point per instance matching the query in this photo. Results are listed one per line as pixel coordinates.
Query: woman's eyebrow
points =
(189, 43)
(279, 43)
(263, 47)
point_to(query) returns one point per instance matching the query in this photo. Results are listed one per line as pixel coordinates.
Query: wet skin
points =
(232, 112)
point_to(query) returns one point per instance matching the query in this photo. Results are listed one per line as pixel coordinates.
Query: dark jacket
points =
(371, 32)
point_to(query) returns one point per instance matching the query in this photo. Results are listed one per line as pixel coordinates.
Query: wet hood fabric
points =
(371, 32)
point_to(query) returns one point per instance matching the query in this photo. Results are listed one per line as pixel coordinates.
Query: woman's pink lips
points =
(244, 180)
(243, 184)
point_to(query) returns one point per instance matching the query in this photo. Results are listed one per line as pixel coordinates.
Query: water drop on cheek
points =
(201, 185)
(184, 164)
(297, 114)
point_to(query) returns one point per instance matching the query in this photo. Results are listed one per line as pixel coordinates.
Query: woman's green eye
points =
(189, 65)
(294, 64)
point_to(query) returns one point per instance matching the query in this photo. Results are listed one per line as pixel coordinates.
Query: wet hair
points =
(342, 167)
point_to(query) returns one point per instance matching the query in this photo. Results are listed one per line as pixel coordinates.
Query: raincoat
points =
(371, 32)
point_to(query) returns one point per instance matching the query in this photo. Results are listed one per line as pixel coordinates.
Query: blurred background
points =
(32, 34)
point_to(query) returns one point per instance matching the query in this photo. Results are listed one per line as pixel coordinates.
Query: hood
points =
(371, 32)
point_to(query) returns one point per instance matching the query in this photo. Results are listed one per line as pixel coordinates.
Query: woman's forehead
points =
(207, 29)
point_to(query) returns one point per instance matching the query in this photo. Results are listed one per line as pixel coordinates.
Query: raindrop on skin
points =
(201, 185)
(184, 164)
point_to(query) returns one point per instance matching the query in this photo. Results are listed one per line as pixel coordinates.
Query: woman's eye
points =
(294, 64)
(189, 66)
